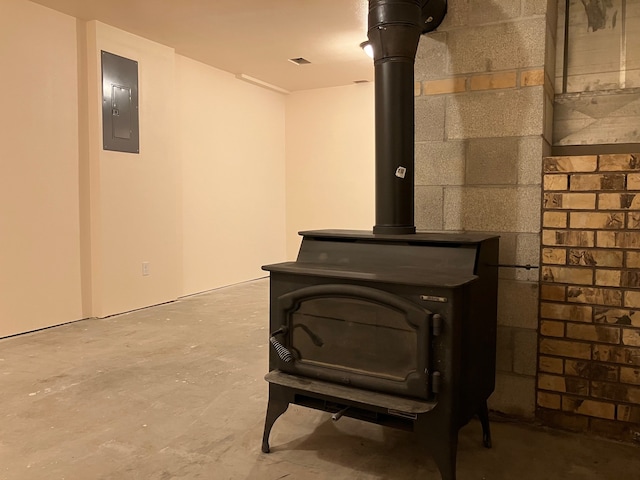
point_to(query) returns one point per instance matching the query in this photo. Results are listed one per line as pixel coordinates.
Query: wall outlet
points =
(145, 269)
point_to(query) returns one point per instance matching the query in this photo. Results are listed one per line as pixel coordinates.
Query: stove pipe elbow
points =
(394, 32)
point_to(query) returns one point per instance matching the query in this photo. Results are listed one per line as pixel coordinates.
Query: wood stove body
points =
(398, 330)
(391, 326)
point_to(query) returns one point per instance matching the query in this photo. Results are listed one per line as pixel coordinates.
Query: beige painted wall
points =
(205, 200)
(330, 160)
(76, 221)
(231, 139)
(135, 212)
(39, 218)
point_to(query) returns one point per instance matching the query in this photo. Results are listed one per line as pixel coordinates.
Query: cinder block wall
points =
(589, 364)
(482, 128)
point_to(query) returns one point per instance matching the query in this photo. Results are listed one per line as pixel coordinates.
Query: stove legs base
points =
(279, 400)
(442, 447)
(437, 433)
(483, 414)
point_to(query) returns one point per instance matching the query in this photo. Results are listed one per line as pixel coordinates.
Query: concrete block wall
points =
(482, 99)
(589, 364)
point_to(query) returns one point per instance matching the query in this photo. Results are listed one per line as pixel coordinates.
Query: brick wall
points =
(589, 345)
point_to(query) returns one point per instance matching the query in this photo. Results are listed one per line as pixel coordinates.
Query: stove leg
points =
(443, 447)
(483, 413)
(278, 404)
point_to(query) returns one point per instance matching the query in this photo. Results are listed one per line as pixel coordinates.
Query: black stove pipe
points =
(394, 32)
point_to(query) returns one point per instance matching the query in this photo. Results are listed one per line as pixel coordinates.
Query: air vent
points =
(299, 61)
(360, 81)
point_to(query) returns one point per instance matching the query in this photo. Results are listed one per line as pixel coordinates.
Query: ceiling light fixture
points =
(368, 48)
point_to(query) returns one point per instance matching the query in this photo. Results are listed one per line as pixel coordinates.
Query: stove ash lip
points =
(394, 30)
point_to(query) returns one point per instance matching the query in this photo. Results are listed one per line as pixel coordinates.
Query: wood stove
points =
(391, 326)
(397, 330)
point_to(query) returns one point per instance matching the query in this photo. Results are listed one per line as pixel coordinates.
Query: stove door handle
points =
(281, 350)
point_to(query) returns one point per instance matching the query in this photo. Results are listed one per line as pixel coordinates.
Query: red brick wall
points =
(589, 343)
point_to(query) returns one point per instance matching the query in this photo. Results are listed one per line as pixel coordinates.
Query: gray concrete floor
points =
(177, 392)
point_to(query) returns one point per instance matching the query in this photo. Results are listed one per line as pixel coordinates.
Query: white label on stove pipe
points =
(401, 172)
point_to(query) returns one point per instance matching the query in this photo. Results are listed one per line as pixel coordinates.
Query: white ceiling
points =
(251, 37)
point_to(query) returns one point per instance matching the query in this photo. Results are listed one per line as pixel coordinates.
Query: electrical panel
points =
(120, 119)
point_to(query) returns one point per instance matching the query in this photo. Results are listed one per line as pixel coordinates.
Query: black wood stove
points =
(391, 326)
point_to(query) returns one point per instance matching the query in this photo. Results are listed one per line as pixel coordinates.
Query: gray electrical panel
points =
(120, 122)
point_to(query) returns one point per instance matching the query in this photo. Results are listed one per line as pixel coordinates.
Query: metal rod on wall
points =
(565, 57)
(623, 45)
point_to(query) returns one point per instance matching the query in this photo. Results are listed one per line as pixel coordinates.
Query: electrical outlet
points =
(145, 269)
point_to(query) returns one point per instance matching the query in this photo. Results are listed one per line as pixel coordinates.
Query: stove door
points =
(359, 336)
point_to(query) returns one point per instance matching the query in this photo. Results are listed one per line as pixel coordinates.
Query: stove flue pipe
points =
(394, 32)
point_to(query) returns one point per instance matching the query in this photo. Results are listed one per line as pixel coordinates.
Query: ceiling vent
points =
(300, 61)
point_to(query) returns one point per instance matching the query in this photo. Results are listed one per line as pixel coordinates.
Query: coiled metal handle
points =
(280, 349)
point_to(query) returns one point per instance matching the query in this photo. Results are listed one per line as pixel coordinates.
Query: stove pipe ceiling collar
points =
(394, 32)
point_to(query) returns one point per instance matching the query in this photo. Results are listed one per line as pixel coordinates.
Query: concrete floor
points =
(177, 392)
